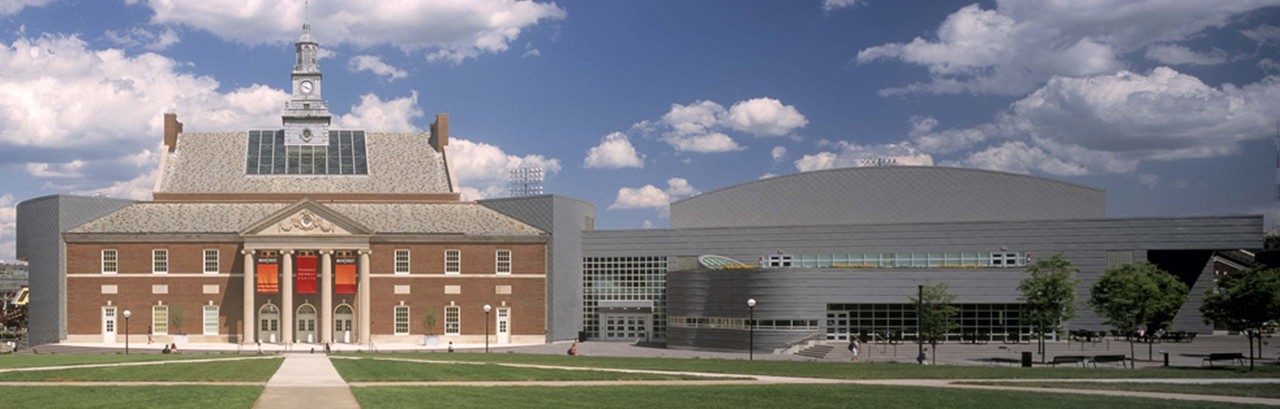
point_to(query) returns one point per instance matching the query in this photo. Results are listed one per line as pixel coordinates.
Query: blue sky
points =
(1171, 106)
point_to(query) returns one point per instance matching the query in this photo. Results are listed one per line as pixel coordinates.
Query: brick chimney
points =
(440, 132)
(171, 130)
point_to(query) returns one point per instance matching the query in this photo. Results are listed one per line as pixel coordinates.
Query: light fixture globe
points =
(488, 308)
(128, 313)
(751, 302)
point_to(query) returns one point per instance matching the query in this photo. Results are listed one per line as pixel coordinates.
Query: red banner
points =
(344, 276)
(268, 276)
(306, 275)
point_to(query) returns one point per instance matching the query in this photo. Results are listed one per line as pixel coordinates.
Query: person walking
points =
(854, 346)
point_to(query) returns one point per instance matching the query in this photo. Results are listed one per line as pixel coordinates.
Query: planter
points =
(430, 340)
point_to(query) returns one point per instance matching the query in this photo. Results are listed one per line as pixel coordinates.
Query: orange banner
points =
(268, 278)
(345, 280)
(306, 275)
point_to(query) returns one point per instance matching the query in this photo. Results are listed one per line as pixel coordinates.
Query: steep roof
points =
(214, 162)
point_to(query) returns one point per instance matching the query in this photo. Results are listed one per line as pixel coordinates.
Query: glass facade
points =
(900, 260)
(267, 155)
(624, 279)
(981, 322)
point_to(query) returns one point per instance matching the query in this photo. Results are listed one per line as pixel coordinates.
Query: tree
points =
(429, 321)
(935, 315)
(1247, 302)
(177, 318)
(1050, 295)
(1138, 295)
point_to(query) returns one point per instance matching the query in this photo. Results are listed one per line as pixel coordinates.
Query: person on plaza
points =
(573, 350)
(923, 358)
(148, 335)
(854, 345)
(450, 346)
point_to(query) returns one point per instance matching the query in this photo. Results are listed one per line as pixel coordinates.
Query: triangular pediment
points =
(306, 218)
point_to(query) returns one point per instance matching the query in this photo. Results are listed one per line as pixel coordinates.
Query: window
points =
(1119, 257)
(780, 260)
(160, 320)
(268, 155)
(160, 261)
(452, 320)
(110, 262)
(210, 261)
(453, 261)
(504, 262)
(211, 320)
(402, 261)
(402, 320)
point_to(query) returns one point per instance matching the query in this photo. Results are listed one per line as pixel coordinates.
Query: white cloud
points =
(1173, 54)
(8, 227)
(1018, 157)
(924, 137)
(828, 5)
(1269, 66)
(652, 197)
(778, 153)
(392, 115)
(1018, 45)
(614, 152)
(71, 169)
(1264, 35)
(853, 155)
(139, 37)
(709, 143)
(483, 170)
(8, 7)
(764, 117)
(530, 52)
(646, 225)
(445, 30)
(375, 65)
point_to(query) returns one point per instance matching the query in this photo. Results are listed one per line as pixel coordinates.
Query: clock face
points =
(307, 87)
(306, 135)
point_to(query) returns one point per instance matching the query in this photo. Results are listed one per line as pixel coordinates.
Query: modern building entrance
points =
(306, 324)
(269, 323)
(343, 316)
(625, 327)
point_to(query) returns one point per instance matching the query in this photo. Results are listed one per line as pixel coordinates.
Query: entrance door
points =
(504, 325)
(625, 327)
(109, 325)
(342, 319)
(306, 328)
(269, 323)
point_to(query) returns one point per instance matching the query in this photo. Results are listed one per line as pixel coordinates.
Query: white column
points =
(286, 297)
(326, 296)
(363, 319)
(249, 326)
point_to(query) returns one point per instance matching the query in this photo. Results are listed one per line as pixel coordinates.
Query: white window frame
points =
(398, 263)
(456, 327)
(457, 262)
(216, 259)
(401, 322)
(498, 263)
(160, 327)
(156, 259)
(115, 261)
(210, 322)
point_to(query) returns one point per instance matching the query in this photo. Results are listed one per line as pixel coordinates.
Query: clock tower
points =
(306, 116)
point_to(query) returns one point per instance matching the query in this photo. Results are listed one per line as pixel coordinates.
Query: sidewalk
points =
(306, 381)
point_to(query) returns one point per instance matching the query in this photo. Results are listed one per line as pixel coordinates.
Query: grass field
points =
(251, 370)
(745, 396)
(1253, 390)
(845, 370)
(29, 361)
(368, 370)
(130, 397)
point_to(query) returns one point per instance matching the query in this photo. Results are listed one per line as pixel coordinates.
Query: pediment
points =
(306, 218)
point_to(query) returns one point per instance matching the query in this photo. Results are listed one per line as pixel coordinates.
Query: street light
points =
(127, 314)
(487, 308)
(751, 323)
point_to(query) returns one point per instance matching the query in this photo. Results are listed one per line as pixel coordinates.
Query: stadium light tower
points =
(526, 181)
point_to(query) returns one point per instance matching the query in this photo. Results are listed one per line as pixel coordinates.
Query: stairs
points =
(816, 351)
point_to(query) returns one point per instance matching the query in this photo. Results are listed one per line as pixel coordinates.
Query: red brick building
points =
(306, 234)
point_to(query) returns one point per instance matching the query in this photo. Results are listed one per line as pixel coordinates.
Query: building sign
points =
(306, 275)
(345, 275)
(268, 275)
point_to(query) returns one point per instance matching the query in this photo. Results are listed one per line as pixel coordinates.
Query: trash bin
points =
(1026, 359)
(582, 336)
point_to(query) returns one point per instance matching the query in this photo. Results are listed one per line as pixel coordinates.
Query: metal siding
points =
(893, 194)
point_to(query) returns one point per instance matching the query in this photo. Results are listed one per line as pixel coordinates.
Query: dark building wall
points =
(565, 219)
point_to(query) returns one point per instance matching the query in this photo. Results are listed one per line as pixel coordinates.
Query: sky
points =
(1171, 106)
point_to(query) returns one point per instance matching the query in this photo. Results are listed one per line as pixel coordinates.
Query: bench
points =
(1109, 359)
(1225, 356)
(1067, 359)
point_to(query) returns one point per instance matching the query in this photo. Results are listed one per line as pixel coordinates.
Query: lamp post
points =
(919, 324)
(127, 314)
(751, 323)
(487, 308)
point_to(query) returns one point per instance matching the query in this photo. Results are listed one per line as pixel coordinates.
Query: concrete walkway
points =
(306, 381)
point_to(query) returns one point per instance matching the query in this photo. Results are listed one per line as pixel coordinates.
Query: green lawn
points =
(250, 370)
(744, 396)
(129, 397)
(368, 370)
(844, 370)
(1253, 390)
(29, 361)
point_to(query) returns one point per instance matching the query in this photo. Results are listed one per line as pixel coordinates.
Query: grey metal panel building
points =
(565, 219)
(1179, 245)
(41, 222)
(889, 194)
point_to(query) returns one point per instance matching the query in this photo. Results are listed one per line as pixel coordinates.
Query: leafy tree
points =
(1050, 295)
(177, 318)
(1138, 295)
(429, 321)
(936, 313)
(1245, 302)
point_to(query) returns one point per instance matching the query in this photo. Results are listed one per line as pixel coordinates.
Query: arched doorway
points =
(269, 323)
(306, 328)
(343, 316)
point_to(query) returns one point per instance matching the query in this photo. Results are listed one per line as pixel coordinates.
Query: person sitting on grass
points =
(573, 350)
(165, 350)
